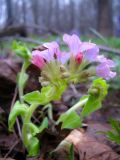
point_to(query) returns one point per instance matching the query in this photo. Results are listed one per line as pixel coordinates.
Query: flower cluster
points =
(75, 62)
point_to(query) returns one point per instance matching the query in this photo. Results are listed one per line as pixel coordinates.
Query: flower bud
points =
(79, 58)
(94, 91)
(62, 68)
(65, 75)
(41, 79)
(45, 75)
(45, 83)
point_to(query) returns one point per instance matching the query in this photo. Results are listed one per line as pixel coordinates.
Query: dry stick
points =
(12, 147)
(109, 49)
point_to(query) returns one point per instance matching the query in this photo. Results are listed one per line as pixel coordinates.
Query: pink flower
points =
(104, 68)
(89, 50)
(54, 52)
(37, 59)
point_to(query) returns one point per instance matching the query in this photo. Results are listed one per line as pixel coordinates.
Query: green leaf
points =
(115, 125)
(52, 92)
(38, 129)
(91, 106)
(101, 87)
(70, 121)
(33, 128)
(46, 95)
(21, 50)
(18, 109)
(71, 156)
(33, 147)
(97, 93)
(33, 97)
(44, 125)
(113, 137)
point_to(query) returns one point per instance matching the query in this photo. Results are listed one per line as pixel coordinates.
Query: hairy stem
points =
(25, 129)
(77, 106)
(21, 75)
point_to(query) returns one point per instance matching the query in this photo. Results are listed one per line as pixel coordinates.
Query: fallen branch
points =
(14, 30)
(29, 40)
(109, 49)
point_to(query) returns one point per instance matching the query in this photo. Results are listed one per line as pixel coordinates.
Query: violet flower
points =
(104, 68)
(89, 50)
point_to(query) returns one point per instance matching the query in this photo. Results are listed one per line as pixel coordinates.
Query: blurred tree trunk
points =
(48, 13)
(72, 13)
(35, 9)
(9, 13)
(24, 11)
(105, 24)
(57, 12)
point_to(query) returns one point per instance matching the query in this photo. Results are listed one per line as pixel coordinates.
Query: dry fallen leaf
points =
(87, 146)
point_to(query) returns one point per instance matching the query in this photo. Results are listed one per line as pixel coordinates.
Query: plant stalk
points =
(77, 106)
(25, 129)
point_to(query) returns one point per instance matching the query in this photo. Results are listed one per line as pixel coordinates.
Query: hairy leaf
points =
(33, 147)
(97, 93)
(70, 121)
(21, 50)
(18, 109)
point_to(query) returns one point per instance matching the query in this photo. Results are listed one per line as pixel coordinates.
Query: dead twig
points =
(12, 147)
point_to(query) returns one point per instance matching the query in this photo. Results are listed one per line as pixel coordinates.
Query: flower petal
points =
(37, 59)
(52, 51)
(63, 57)
(103, 59)
(91, 51)
(73, 43)
(103, 70)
